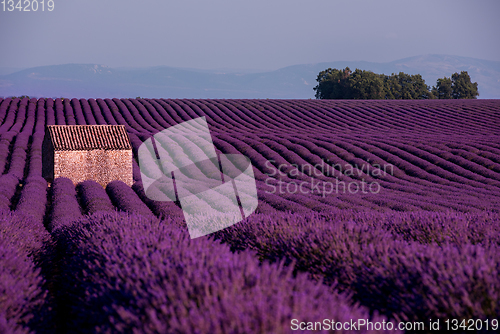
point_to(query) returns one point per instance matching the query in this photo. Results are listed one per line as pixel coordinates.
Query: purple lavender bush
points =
(65, 206)
(94, 198)
(18, 156)
(160, 209)
(125, 199)
(33, 198)
(8, 186)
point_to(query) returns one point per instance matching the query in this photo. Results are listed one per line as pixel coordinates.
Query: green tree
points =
(361, 84)
(404, 86)
(462, 87)
(365, 85)
(332, 84)
(443, 88)
(392, 88)
(459, 86)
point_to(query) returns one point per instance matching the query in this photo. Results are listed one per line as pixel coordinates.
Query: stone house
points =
(87, 152)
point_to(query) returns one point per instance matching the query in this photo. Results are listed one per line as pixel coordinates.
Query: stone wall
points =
(102, 166)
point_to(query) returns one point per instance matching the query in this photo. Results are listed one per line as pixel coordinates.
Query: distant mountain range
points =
(292, 82)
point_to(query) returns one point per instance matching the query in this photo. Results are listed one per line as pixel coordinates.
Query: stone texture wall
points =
(102, 166)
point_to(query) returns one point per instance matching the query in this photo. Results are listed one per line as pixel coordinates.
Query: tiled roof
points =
(88, 137)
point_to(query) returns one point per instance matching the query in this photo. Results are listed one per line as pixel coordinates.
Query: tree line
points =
(364, 85)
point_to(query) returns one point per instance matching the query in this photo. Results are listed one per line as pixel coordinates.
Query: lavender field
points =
(386, 212)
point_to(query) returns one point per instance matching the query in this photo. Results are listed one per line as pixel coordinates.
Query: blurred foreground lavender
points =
(408, 266)
(121, 272)
(24, 249)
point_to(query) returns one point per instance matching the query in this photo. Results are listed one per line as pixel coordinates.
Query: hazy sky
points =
(250, 34)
